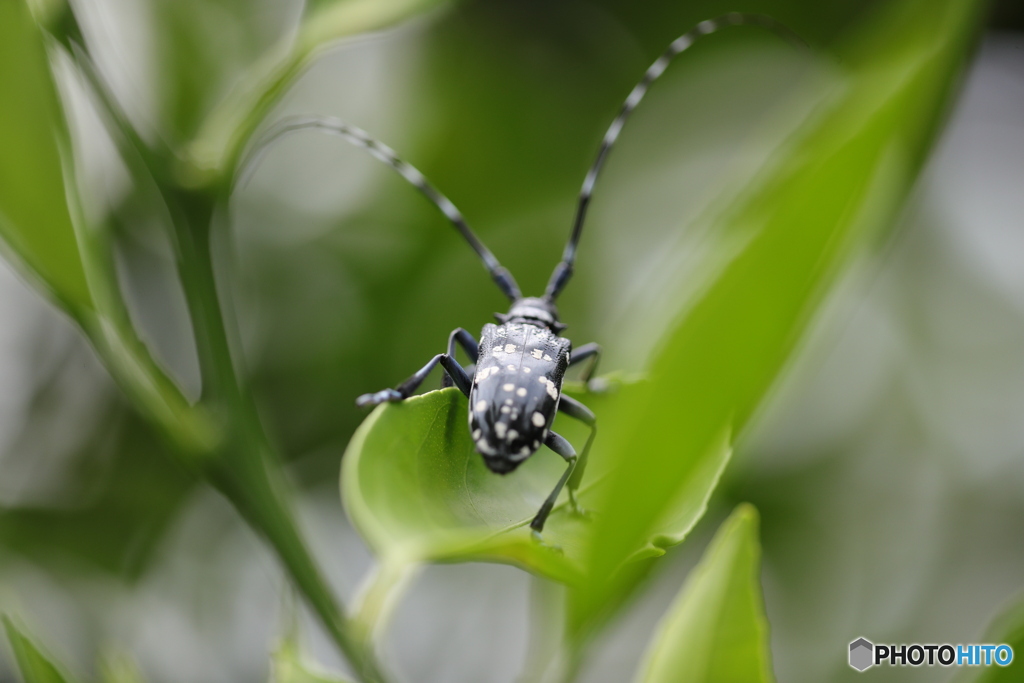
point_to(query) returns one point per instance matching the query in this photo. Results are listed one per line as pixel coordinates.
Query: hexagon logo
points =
(861, 654)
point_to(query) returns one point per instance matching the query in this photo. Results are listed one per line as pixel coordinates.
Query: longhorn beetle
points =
(516, 386)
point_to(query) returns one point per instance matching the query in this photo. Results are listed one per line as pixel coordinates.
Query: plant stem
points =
(247, 470)
(241, 463)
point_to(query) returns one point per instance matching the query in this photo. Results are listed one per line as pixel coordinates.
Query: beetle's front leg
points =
(591, 350)
(574, 408)
(469, 345)
(404, 390)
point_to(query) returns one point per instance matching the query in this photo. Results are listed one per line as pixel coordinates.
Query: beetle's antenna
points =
(563, 271)
(359, 138)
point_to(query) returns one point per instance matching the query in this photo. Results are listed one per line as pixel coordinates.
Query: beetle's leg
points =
(581, 354)
(574, 408)
(559, 445)
(405, 389)
(468, 344)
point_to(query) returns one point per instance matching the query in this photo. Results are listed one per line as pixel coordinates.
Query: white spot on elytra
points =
(510, 348)
(511, 436)
(505, 410)
(484, 447)
(481, 406)
(499, 429)
(526, 370)
(512, 368)
(536, 444)
(508, 386)
(508, 401)
(547, 357)
(550, 386)
(521, 391)
(538, 419)
(536, 353)
(524, 451)
(476, 434)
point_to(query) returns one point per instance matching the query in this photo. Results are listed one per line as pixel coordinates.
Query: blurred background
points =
(887, 465)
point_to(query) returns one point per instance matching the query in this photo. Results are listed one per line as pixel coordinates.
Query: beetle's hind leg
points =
(452, 369)
(559, 445)
(574, 408)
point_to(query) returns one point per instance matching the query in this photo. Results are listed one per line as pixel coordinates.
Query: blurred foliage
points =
(34, 217)
(840, 180)
(716, 630)
(34, 665)
(503, 109)
(138, 489)
(289, 667)
(1007, 628)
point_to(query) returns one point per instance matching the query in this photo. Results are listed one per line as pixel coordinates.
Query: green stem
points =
(240, 461)
(377, 597)
(246, 470)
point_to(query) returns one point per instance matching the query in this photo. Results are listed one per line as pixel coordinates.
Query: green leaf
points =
(716, 630)
(35, 667)
(37, 226)
(418, 492)
(1007, 628)
(35, 222)
(840, 179)
(217, 148)
(289, 667)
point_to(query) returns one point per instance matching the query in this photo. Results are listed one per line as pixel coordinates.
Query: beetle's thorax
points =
(533, 311)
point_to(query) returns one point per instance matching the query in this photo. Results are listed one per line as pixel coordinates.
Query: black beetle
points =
(515, 387)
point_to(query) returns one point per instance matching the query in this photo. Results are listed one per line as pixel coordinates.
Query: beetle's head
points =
(533, 310)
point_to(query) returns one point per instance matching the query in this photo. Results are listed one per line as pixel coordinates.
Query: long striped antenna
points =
(563, 271)
(359, 138)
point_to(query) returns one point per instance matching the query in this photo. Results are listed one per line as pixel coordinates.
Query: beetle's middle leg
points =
(469, 345)
(574, 408)
(559, 445)
(452, 369)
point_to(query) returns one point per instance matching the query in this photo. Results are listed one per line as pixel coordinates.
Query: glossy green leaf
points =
(716, 630)
(218, 145)
(34, 666)
(418, 492)
(837, 181)
(1007, 628)
(35, 222)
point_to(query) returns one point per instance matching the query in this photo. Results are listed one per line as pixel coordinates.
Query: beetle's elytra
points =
(514, 385)
(515, 390)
